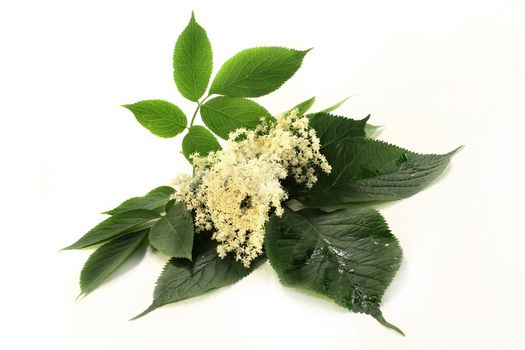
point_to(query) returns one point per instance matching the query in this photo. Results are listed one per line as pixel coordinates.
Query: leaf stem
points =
(195, 114)
(199, 104)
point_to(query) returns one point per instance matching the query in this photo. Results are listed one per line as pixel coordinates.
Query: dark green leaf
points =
(225, 114)
(331, 129)
(183, 279)
(155, 200)
(162, 118)
(115, 226)
(304, 106)
(365, 170)
(257, 71)
(192, 61)
(348, 255)
(108, 258)
(173, 234)
(199, 140)
(335, 106)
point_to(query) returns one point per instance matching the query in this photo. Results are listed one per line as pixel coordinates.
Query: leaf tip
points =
(80, 296)
(379, 317)
(308, 50)
(455, 151)
(80, 244)
(69, 247)
(143, 313)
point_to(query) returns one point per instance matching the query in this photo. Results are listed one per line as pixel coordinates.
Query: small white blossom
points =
(233, 190)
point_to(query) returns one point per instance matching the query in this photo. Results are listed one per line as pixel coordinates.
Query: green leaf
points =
(329, 129)
(332, 129)
(365, 170)
(182, 279)
(372, 131)
(304, 106)
(173, 234)
(154, 200)
(199, 140)
(257, 71)
(115, 226)
(348, 255)
(335, 106)
(192, 61)
(162, 118)
(225, 114)
(108, 258)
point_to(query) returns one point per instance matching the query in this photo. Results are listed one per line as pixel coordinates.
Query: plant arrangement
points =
(297, 189)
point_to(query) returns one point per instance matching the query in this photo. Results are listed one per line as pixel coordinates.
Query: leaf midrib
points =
(168, 219)
(116, 263)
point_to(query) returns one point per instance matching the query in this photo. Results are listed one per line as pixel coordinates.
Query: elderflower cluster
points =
(233, 190)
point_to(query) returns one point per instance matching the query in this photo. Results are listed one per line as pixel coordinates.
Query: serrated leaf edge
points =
(140, 241)
(155, 306)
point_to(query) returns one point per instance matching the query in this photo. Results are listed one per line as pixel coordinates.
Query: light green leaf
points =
(365, 170)
(225, 114)
(192, 61)
(115, 226)
(108, 258)
(173, 234)
(199, 140)
(304, 106)
(373, 131)
(154, 200)
(257, 71)
(335, 106)
(162, 118)
(182, 279)
(348, 255)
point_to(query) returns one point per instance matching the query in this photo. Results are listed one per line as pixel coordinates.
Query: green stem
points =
(195, 114)
(199, 104)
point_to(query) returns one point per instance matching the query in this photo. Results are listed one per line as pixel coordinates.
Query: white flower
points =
(233, 190)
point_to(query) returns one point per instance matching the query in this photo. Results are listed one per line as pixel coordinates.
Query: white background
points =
(437, 74)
